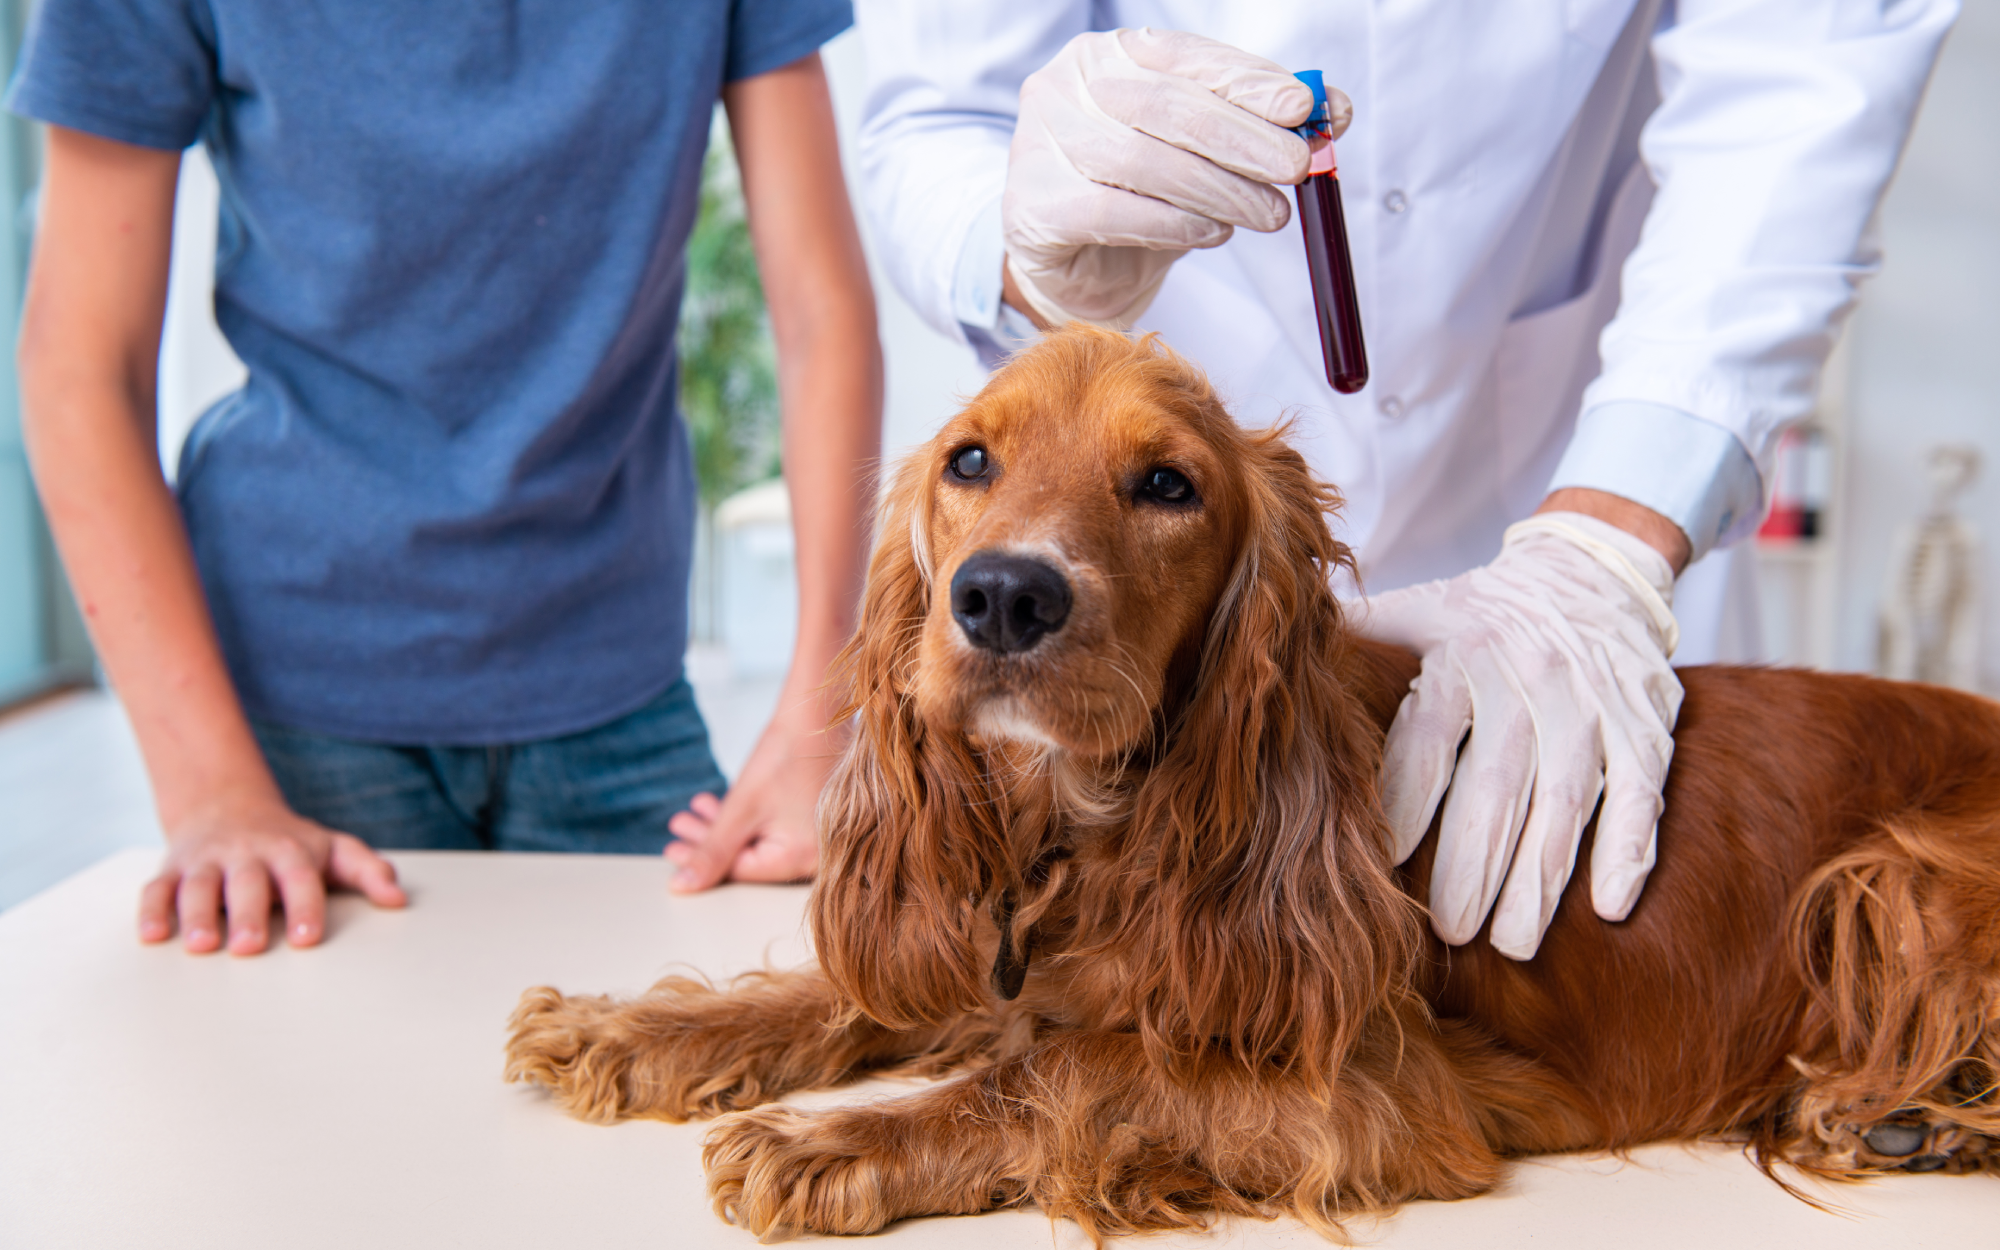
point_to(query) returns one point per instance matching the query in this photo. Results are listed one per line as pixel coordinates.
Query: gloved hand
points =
(1555, 655)
(1134, 146)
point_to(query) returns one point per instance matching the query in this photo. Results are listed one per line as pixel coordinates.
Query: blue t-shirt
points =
(454, 502)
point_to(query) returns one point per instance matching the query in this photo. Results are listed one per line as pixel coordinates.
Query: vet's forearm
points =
(88, 357)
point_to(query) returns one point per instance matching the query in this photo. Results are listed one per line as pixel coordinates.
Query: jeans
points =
(605, 790)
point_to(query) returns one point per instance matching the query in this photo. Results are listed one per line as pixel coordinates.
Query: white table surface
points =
(350, 1096)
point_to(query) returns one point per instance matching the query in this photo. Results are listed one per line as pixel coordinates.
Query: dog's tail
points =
(1898, 943)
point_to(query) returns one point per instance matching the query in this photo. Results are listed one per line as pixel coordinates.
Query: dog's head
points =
(1075, 528)
(1094, 567)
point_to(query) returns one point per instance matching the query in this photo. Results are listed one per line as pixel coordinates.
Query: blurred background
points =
(1874, 558)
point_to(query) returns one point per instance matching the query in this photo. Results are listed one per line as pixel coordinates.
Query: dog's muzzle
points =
(1006, 603)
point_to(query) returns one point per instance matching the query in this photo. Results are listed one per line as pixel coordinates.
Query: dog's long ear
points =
(1280, 927)
(900, 821)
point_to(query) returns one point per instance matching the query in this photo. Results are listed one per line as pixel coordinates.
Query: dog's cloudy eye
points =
(1167, 486)
(969, 463)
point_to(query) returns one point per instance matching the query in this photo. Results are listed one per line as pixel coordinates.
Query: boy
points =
(423, 579)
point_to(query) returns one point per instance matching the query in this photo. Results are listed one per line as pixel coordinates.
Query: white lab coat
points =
(1501, 165)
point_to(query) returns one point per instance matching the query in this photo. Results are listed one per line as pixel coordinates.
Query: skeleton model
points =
(1930, 626)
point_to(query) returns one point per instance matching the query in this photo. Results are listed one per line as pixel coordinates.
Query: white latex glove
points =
(1555, 656)
(1134, 146)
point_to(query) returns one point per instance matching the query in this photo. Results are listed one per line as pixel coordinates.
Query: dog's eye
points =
(969, 463)
(1167, 486)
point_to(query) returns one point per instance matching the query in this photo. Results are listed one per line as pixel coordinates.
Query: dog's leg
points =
(1898, 941)
(687, 1049)
(1872, 1118)
(1086, 1127)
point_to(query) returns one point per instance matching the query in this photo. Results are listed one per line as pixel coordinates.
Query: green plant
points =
(729, 387)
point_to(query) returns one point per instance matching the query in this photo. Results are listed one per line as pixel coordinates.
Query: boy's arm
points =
(89, 356)
(830, 391)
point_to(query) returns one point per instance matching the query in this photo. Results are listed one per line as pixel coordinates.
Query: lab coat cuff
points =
(975, 283)
(993, 328)
(1693, 472)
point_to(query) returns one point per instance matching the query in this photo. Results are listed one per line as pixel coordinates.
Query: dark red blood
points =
(1332, 269)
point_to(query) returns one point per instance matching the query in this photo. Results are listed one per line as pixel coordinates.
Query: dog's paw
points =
(1913, 1140)
(576, 1048)
(776, 1171)
(657, 1055)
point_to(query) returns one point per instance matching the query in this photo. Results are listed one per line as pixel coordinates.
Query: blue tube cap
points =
(1320, 121)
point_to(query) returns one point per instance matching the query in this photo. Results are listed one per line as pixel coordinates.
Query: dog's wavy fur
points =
(1231, 1003)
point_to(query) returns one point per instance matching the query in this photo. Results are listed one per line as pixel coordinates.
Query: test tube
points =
(1327, 257)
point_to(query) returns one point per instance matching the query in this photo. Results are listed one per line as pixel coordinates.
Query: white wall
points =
(1926, 339)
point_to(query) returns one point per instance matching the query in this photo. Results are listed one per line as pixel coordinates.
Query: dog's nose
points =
(1006, 603)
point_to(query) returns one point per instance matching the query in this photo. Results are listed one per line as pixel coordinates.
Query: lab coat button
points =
(1395, 202)
(1391, 407)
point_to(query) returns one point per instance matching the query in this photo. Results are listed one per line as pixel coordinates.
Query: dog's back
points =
(1816, 949)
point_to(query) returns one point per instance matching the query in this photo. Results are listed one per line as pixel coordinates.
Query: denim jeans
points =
(606, 790)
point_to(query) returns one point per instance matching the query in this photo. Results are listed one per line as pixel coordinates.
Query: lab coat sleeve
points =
(1779, 126)
(944, 88)
(1691, 471)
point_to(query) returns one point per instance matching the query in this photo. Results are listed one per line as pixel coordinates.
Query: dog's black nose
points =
(1006, 603)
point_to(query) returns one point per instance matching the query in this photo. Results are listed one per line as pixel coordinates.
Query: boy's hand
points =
(226, 860)
(764, 829)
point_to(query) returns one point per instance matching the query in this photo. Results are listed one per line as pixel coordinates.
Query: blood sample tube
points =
(1327, 257)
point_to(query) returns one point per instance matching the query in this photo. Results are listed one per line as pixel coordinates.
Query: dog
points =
(1106, 853)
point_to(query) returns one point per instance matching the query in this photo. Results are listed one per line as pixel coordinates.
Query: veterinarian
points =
(422, 581)
(1602, 248)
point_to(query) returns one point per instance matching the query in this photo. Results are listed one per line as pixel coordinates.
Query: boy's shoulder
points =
(154, 72)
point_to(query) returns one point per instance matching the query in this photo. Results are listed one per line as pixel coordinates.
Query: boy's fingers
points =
(200, 903)
(304, 895)
(688, 825)
(247, 892)
(776, 857)
(691, 827)
(156, 907)
(354, 864)
(709, 860)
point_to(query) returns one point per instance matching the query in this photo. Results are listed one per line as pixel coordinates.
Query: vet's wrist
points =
(1015, 297)
(1636, 519)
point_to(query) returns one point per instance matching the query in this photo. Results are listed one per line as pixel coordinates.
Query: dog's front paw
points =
(577, 1048)
(776, 1171)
